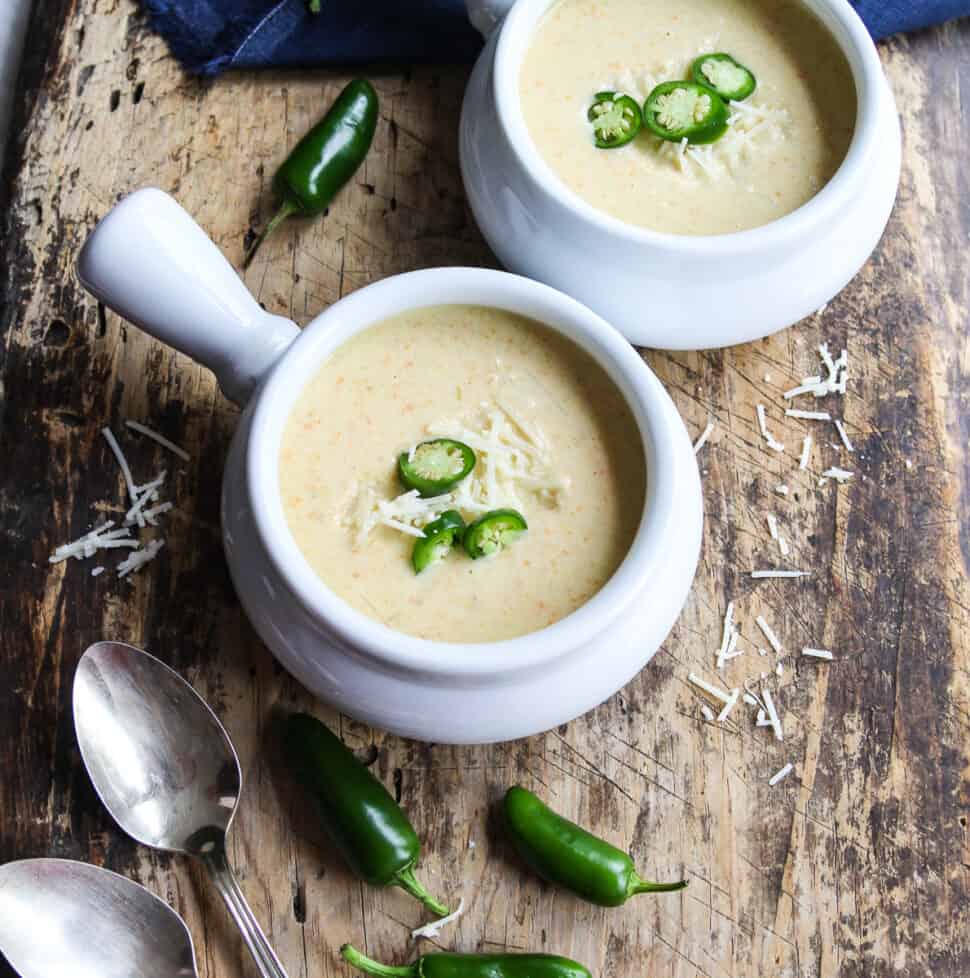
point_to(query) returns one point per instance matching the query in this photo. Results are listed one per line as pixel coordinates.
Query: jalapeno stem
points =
(287, 209)
(406, 879)
(352, 956)
(638, 885)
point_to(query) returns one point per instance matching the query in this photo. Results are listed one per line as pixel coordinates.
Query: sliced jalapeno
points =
(493, 532)
(440, 536)
(433, 467)
(677, 110)
(616, 119)
(720, 72)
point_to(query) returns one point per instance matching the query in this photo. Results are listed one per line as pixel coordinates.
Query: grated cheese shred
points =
(433, 929)
(781, 775)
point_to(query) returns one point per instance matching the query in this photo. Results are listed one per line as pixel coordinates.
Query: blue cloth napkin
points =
(209, 36)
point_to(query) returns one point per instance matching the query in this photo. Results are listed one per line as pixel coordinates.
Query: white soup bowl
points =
(150, 262)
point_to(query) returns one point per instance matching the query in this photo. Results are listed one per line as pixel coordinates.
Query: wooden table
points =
(857, 865)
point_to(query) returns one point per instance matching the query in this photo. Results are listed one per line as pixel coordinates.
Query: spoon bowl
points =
(160, 760)
(164, 767)
(59, 917)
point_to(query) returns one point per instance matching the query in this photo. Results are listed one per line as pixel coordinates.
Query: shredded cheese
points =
(729, 706)
(513, 461)
(834, 383)
(806, 452)
(772, 526)
(433, 929)
(808, 415)
(770, 441)
(769, 634)
(818, 654)
(122, 463)
(781, 775)
(707, 713)
(161, 439)
(844, 435)
(718, 694)
(704, 435)
(772, 714)
(781, 489)
(761, 574)
(138, 558)
(840, 475)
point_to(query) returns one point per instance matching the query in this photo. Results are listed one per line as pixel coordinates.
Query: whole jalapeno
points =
(677, 110)
(325, 158)
(562, 852)
(433, 467)
(447, 964)
(366, 824)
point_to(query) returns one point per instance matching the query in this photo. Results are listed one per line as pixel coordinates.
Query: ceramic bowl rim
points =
(644, 394)
(849, 32)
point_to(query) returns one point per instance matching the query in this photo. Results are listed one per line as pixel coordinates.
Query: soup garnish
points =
(616, 119)
(440, 536)
(493, 532)
(678, 110)
(729, 78)
(436, 466)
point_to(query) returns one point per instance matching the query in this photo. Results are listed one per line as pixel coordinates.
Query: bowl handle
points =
(485, 15)
(152, 264)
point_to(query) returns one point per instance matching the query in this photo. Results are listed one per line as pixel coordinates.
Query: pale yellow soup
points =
(791, 134)
(377, 395)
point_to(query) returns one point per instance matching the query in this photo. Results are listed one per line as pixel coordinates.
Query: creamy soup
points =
(783, 144)
(487, 377)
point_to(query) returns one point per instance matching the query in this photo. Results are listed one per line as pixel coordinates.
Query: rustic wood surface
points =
(858, 865)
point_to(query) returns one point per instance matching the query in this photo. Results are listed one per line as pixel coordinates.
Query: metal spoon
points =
(164, 767)
(59, 917)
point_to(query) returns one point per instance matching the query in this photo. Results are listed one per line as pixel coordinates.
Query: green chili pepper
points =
(435, 466)
(493, 532)
(677, 110)
(325, 158)
(447, 964)
(364, 821)
(616, 119)
(440, 536)
(562, 852)
(720, 72)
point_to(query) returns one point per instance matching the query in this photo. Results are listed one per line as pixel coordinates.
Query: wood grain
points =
(858, 865)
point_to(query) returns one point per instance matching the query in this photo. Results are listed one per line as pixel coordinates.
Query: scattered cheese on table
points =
(770, 441)
(772, 714)
(161, 439)
(844, 435)
(138, 558)
(704, 435)
(806, 452)
(808, 415)
(433, 929)
(781, 775)
(761, 574)
(818, 653)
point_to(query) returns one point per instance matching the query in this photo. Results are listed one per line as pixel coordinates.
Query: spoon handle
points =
(222, 875)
